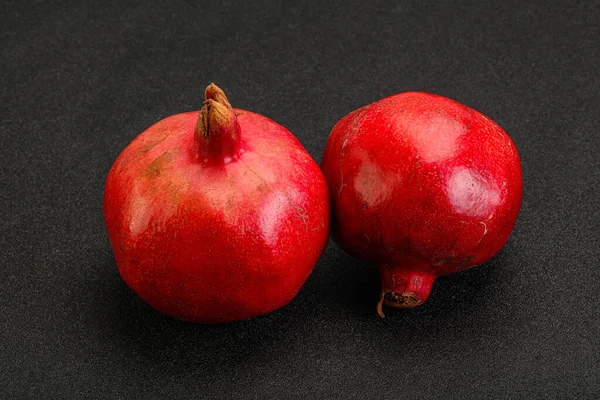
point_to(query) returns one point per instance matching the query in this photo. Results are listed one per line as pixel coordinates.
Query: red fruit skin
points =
(421, 186)
(209, 237)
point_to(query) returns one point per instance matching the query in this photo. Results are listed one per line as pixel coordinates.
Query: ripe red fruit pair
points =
(221, 215)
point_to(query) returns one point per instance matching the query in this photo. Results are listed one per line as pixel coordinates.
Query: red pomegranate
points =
(420, 186)
(216, 216)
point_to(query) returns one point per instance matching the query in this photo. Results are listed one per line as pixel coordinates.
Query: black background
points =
(80, 80)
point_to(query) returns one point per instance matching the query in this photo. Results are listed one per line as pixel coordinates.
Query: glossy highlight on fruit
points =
(420, 186)
(216, 216)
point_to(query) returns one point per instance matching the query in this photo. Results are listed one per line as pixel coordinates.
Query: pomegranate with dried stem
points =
(420, 186)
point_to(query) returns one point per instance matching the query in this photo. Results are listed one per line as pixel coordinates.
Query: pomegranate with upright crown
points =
(420, 186)
(216, 216)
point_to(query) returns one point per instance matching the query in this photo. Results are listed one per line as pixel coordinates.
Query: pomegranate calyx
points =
(217, 129)
(215, 93)
(214, 116)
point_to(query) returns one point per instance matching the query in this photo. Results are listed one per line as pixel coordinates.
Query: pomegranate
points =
(216, 216)
(420, 186)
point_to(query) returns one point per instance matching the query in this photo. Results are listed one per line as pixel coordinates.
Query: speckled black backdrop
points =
(80, 80)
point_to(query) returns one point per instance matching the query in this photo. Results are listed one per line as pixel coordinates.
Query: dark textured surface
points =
(79, 81)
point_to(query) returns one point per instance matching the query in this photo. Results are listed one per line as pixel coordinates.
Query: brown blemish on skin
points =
(261, 187)
(159, 137)
(174, 190)
(231, 202)
(465, 261)
(146, 148)
(441, 261)
(154, 169)
(298, 210)
(149, 144)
